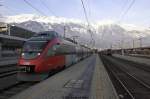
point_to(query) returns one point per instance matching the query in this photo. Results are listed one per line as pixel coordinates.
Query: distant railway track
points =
(141, 66)
(147, 57)
(6, 66)
(8, 73)
(9, 91)
(127, 85)
(8, 70)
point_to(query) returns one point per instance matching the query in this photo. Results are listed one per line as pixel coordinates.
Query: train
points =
(46, 52)
(107, 52)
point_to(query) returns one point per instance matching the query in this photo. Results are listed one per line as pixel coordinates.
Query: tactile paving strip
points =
(74, 84)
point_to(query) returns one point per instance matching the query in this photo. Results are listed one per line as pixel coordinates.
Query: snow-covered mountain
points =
(105, 33)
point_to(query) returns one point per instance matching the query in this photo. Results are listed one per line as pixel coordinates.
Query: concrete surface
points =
(7, 61)
(134, 59)
(85, 80)
(7, 81)
(8, 58)
(102, 87)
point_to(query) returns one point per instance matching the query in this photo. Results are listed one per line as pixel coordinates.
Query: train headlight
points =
(38, 54)
(22, 54)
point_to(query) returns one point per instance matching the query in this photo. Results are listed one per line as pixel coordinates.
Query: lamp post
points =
(140, 41)
(133, 43)
(64, 31)
(9, 29)
(66, 28)
(121, 45)
(0, 49)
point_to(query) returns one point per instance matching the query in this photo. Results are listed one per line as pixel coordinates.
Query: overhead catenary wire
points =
(40, 12)
(125, 4)
(127, 10)
(50, 11)
(1, 3)
(85, 12)
(125, 13)
(7, 8)
(89, 8)
(0, 13)
(10, 9)
(88, 23)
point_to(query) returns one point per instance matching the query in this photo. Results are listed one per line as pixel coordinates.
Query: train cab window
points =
(55, 34)
(52, 50)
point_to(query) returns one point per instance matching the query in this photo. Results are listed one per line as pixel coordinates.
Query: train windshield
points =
(34, 46)
(32, 49)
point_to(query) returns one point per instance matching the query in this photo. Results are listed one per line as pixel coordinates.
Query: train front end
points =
(30, 61)
(33, 64)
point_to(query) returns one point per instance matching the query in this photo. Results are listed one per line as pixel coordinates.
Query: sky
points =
(97, 10)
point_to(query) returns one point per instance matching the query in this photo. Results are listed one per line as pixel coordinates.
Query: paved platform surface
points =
(85, 80)
(8, 60)
(134, 59)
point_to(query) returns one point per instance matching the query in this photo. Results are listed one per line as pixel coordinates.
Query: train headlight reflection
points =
(39, 54)
(22, 54)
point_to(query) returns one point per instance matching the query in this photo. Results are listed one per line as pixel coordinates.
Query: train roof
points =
(49, 35)
(68, 39)
(46, 35)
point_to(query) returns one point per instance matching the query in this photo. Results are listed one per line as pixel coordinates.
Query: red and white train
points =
(46, 52)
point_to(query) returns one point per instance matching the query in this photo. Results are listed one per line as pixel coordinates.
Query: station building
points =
(12, 38)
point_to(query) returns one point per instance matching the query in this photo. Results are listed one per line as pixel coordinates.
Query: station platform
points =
(8, 61)
(87, 79)
(8, 58)
(133, 58)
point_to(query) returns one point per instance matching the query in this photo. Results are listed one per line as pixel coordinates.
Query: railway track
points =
(127, 85)
(8, 81)
(140, 66)
(8, 70)
(141, 71)
(14, 88)
(146, 57)
(9, 91)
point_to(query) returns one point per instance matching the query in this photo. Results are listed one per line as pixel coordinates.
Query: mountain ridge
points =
(105, 33)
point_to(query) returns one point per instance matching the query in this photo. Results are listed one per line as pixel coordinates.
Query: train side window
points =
(56, 35)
